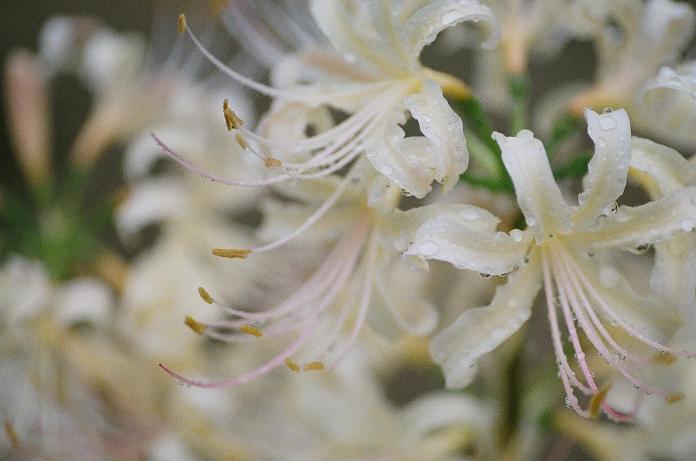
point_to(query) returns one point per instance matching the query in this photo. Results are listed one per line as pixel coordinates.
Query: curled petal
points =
(633, 227)
(667, 167)
(450, 240)
(444, 131)
(670, 100)
(538, 194)
(423, 26)
(480, 330)
(435, 411)
(608, 169)
(413, 163)
(150, 203)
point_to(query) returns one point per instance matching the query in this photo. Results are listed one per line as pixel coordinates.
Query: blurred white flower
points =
(376, 77)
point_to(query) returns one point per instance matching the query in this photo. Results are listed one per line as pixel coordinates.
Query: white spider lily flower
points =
(362, 279)
(556, 250)
(376, 77)
(670, 98)
(649, 35)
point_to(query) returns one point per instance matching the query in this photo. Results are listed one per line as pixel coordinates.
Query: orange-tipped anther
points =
(195, 325)
(251, 330)
(673, 398)
(181, 24)
(231, 119)
(205, 295)
(271, 162)
(313, 366)
(292, 365)
(665, 358)
(230, 253)
(597, 400)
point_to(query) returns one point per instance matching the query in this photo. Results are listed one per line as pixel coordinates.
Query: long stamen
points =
(364, 302)
(564, 369)
(599, 344)
(623, 324)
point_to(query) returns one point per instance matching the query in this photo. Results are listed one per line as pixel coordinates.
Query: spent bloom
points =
(559, 249)
(374, 76)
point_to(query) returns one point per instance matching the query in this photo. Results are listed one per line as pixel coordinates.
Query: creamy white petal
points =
(670, 100)
(352, 31)
(666, 166)
(423, 26)
(632, 227)
(489, 252)
(84, 299)
(480, 330)
(401, 289)
(406, 161)
(398, 227)
(608, 169)
(434, 411)
(651, 317)
(674, 274)
(149, 203)
(538, 194)
(444, 131)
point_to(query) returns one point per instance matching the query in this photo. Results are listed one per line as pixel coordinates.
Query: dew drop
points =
(484, 275)
(640, 249)
(428, 248)
(469, 214)
(610, 209)
(516, 235)
(387, 170)
(636, 386)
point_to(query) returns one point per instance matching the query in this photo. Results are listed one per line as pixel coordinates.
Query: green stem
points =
(519, 90)
(576, 167)
(565, 125)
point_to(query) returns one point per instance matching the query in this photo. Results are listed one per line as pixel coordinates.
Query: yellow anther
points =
(231, 119)
(665, 358)
(451, 85)
(195, 325)
(597, 400)
(673, 398)
(11, 434)
(292, 365)
(230, 253)
(313, 366)
(241, 140)
(181, 24)
(205, 295)
(272, 162)
(251, 330)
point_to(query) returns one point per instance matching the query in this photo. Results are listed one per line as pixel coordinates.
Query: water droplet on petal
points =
(484, 275)
(469, 214)
(517, 235)
(428, 248)
(609, 277)
(640, 249)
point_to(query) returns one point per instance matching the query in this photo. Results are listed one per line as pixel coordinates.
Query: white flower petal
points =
(538, 194)
(607, 171)
(400, 289)
(465, 247)
(85, 299)
(649, 316)
(674, 274)
(351, 29)
(480, 330)
(444, 130)
(149, 203)
(666, 166)
(632, 227)
(670, 100)
(434, 411)
(423, 26)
